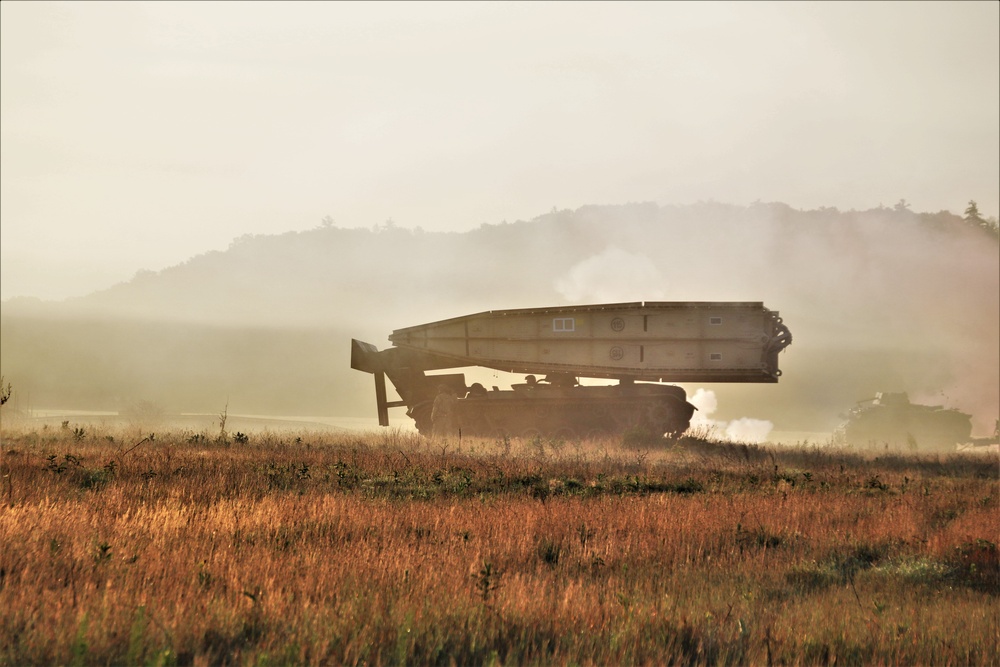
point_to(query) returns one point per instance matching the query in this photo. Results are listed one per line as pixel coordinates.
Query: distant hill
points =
(884, 299)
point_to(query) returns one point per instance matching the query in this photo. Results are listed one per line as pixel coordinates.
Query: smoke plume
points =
(610, 276)
(744, 429)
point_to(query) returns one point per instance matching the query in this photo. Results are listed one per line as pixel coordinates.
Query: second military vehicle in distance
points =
(891, 420)
(641, 345)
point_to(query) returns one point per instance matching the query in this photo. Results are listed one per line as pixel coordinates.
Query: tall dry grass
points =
(388, 548)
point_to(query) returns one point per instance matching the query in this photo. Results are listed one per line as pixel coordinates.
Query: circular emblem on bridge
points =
(617, 353)
(618, 324)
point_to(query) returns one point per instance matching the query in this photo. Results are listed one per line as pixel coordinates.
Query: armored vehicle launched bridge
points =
(639, 344)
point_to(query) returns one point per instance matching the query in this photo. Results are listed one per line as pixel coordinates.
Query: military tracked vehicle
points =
(889, 419)
(641, 345)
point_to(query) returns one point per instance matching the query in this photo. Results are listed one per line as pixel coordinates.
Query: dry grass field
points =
(388, 548)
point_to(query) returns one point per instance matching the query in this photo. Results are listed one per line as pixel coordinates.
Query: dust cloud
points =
(880, 300)
(744, 429)
(612, 277)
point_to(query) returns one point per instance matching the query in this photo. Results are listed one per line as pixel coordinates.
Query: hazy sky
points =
(136, 135)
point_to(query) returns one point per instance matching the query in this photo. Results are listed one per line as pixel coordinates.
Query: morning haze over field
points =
(203, 204)
(882, 300)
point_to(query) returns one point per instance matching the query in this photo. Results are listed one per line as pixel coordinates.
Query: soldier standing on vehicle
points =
(443, 413)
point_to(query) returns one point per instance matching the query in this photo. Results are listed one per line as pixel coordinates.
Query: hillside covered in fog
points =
(878, 300)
